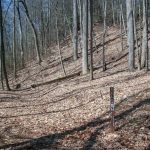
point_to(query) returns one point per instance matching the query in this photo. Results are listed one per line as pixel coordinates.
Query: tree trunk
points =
(75, 30)
(21, 37)
(14, 39)
(34, 31)
(3, 48)
(58, 44)
(123, 21)
(1, 65)
(91, 38)
(135, 33)
(64, 19)
(144, 58)
(140, 38)
(104, 35)
(85, 38)
(121, 33)
(130, 34)
(113, 12)
(81, 26)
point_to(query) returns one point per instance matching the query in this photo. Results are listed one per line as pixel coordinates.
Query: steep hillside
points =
(72, 112)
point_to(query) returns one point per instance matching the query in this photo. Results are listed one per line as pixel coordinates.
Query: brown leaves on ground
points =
(74, 113)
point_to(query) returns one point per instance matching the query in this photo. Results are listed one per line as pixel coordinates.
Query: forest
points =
(74, 75)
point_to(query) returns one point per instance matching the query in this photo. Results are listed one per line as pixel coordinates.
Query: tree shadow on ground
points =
(51, 140)
(92, 140)
(52, 100)
(148, 147)
(67, 95)
(72, 75)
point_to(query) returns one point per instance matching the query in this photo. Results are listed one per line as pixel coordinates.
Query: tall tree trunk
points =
(130, 34)
(75, 30)
(42, 28)
(59, 49)
(140, 37)
(1, 65)
(3, 48)
(14, 39)
(85, 38)
(121, 33)
(81, 26)
(123, 21)
(134, 17)
(113, 12)
(49, 24)
(135, 33)
(104, 36)
(21, 36)
(64, 19)
(105, 13)
(34, 31)
(144, 58)
(91, 38)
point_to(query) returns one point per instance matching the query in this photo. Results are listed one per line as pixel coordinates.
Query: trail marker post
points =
(112, 110)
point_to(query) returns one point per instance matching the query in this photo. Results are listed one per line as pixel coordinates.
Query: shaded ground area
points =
(132, 131)
(73, 113)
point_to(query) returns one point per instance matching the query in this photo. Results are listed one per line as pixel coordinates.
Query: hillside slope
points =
(73, 113)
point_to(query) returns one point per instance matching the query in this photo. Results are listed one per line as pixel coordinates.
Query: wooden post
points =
(112, 110)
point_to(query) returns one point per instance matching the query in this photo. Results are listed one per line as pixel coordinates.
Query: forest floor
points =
(73, 113)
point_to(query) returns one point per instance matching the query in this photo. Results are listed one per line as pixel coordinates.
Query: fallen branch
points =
(56, 80)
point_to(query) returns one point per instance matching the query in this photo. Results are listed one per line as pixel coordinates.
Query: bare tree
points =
(121, 31)
(144, 57)
(75, 30)
(130, 34)
(81, 18)
(91, 38)
(123, 20)
(34, 31)
(85, 38)
(58, 41)
(104, 36)
(3, 48)
(113, 12)
(14, 38)
(21, 35)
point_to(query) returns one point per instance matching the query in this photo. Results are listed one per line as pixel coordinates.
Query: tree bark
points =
(81, 26)
(3, 48)
(14, 39)
(34, 31)
(144, 58)
(91, 38)
(104, 36)
(130, 34)
(121, 33)
(113, 12)
(58, 44)
(85, 38)
(21, 36)
(123, 21)
(75, 30)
